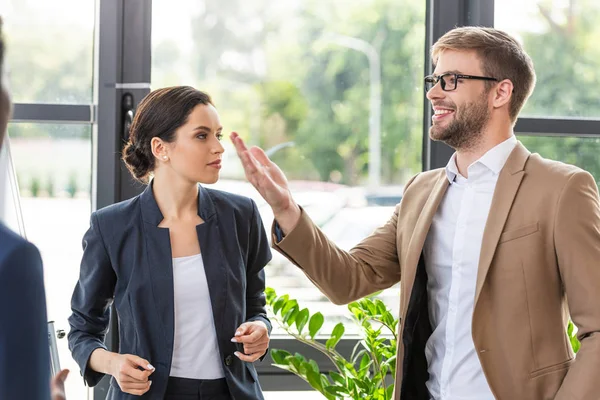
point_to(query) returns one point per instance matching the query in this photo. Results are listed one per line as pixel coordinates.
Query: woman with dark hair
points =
(182, 263)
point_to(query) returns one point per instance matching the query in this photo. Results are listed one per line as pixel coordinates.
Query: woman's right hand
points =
(125, 368)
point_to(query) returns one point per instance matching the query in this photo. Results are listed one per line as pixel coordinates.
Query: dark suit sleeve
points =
(259, 254)
(91, 302)
(24, 351)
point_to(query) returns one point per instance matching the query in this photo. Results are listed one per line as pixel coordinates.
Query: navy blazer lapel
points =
(160, 260)
(159, 263)
(210, 239)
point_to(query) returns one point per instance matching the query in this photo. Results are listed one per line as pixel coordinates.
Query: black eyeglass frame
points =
(432, 80)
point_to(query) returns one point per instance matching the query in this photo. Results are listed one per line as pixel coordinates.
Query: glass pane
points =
(582, 152)
(561, 36)
(10, 209)
(50, 50)
(294, 78)
(53, 166)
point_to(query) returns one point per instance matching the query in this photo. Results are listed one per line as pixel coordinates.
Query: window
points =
(295, 78)
(582, 152)
(53, 167)
(50, 50)
(561, 38)
(50, 70)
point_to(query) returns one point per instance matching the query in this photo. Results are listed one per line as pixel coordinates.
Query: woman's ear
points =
(159, 149)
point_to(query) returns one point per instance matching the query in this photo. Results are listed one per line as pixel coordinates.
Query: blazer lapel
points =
(415, 247)
(210, 239)
(507, 186)
(160, 263)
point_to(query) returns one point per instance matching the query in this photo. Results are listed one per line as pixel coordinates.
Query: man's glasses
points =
(448, 82)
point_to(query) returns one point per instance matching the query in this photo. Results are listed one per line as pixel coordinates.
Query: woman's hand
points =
(132, 380)
(255, 337)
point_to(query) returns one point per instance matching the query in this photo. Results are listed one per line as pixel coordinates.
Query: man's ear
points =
(503, 93)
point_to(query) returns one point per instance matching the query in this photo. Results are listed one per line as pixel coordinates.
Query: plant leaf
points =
(301, 320)
(280, 302)
(315, 323)
(279, 356)
(336, 335)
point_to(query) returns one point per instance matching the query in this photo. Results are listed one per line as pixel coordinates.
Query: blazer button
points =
(228, 360)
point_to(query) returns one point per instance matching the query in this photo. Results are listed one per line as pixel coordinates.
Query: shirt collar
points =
(494, 159)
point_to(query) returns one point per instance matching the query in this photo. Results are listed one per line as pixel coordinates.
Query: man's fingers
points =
(237, 141)
(260, 156)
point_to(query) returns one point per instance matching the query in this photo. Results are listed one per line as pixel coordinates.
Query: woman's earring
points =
(164, 157)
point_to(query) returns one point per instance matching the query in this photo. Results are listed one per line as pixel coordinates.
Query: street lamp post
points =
(374, 98)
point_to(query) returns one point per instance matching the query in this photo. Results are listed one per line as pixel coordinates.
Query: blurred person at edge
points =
(182, 263)
(487, 250)
(24, 351)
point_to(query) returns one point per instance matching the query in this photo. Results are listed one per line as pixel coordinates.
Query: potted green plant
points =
(363, 374)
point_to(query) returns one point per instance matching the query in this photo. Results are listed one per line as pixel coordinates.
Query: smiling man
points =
(487, 250)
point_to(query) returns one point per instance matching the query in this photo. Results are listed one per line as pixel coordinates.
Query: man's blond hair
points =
(501, 57)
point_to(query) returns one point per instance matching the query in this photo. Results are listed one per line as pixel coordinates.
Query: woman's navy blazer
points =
(127, 259)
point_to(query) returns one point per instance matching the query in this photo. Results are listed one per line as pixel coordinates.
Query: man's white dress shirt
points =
(451, 252)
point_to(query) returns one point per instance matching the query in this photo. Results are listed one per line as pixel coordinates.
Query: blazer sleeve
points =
(91, 302)
(577, 243)
(259, 254)
(24, 351)
(343, 276)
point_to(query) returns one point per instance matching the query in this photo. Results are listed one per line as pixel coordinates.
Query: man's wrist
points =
(288, 218)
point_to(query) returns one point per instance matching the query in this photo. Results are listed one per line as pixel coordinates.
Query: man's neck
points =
(466, 157)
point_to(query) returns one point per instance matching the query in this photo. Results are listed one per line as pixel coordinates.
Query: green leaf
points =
(324, 380)
(337, 378)
(337, 391)
(314, 366)
(381, 308)
(299, 357)
(290, 316)
(365, 362)
(389, 392)
(270, 295)
(315, 323)
(336, 335)
(288, 306)
(314, 379)
(279, 356)
(280, 302)
(301, 320)
(285, 367)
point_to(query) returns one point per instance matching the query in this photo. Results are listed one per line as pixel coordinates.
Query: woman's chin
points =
(208, 180)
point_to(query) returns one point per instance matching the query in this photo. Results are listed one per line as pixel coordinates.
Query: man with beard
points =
(24, 351)
(487, 250)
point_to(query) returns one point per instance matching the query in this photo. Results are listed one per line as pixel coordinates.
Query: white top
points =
(451, 253)
(195, 349)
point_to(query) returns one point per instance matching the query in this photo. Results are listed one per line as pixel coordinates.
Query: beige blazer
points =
(541, 245)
